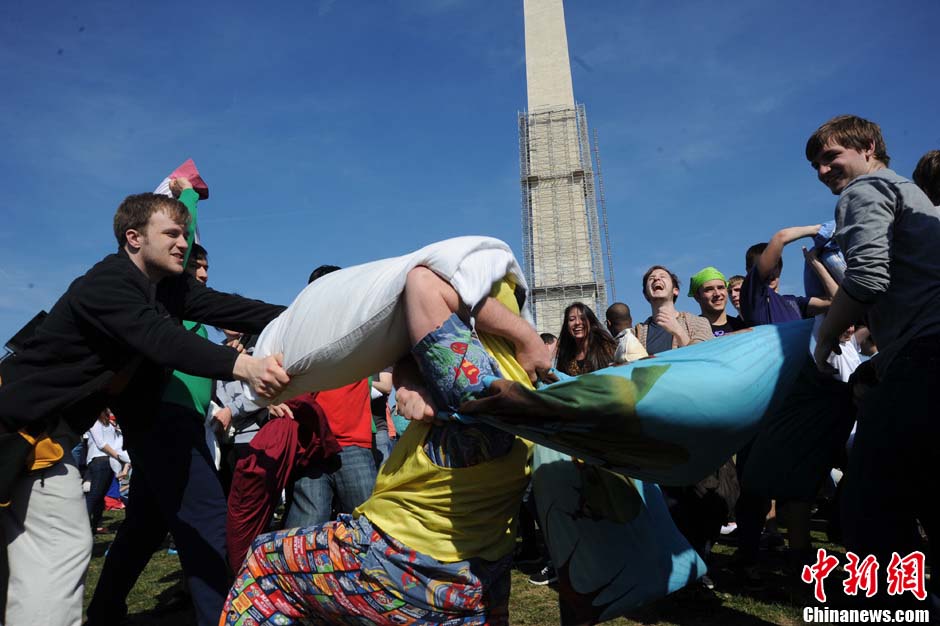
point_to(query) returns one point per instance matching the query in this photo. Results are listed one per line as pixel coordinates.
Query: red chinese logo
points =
(862, 575)
(817, 572)
(903, 574)
(906, 574)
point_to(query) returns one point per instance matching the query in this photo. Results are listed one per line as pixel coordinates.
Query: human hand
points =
(265, 376)
(223, 418)
(536, 359)
(811, 255)
(821, 355)
(124, 472)
(280, 410)
(177, 185)
(236, 343)
(670, 323)
(415, 403)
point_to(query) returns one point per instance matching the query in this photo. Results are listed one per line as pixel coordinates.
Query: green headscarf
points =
(702, 277)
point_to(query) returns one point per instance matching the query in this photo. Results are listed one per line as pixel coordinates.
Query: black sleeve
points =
(118, 306)
(201, 304)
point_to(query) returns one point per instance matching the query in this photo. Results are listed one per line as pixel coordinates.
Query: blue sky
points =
(340, 132)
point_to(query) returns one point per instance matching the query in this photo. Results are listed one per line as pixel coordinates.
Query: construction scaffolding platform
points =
(562, 244)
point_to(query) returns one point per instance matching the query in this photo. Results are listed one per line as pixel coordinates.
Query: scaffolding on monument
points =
(555, 152)
(602, 197)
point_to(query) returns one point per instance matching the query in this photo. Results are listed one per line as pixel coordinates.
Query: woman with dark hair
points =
(584, 345)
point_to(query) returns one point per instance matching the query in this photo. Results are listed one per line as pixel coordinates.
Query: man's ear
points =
(133, 237)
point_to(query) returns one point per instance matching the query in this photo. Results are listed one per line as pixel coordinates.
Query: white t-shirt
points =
(99, 436)
(845, 363)
(629, 348)
(848, 361)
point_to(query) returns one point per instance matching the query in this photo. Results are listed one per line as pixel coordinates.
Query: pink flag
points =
(188, 171)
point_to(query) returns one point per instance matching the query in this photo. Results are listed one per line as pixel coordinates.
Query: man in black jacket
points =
(110, 340)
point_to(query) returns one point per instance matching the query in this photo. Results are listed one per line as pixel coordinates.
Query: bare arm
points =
(828, 282)
(414, 400)
(429, 300)
(383, 384)
(815, 306)
(111, 452)
(531, 352)
(769, 259)
(865, 341)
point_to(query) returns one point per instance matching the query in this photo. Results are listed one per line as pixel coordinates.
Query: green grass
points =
(152, 600)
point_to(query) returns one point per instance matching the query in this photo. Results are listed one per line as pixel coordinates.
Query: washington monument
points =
(561, 234)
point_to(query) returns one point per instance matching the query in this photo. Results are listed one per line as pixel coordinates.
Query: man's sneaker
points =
(707, 582)
(546, 576)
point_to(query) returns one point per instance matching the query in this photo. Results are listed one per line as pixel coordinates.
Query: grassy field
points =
(156, 599)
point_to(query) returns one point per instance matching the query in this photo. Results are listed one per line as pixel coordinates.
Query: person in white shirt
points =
(620, 323)
(850, 356)
(105, 445)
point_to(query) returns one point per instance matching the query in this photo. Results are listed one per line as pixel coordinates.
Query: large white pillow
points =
(350, 324)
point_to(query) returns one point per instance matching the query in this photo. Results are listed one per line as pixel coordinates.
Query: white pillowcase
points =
(350, 323)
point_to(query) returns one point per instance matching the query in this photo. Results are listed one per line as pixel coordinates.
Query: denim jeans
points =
(383, 446)
(344, 482)
(100, 476)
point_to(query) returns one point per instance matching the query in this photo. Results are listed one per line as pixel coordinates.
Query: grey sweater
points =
(890, 232)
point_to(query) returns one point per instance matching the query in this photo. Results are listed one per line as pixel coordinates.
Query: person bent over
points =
(433, 544)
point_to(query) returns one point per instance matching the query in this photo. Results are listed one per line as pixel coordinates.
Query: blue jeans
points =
(342, 483)
(383, 445)
(100, 476)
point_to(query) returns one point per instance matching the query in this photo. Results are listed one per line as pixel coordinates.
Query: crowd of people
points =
(408, 513)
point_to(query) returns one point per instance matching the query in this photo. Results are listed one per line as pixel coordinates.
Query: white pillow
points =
(350, 324)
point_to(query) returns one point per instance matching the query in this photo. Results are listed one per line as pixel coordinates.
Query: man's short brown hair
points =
(675, 280)
(927, 175)
(849, 131)
(134, 213)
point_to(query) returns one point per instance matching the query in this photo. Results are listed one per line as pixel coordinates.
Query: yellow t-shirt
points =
(452, 514)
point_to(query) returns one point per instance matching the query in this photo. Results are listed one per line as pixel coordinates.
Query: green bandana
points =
(705, 275)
